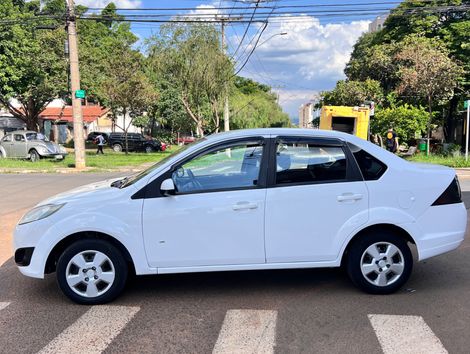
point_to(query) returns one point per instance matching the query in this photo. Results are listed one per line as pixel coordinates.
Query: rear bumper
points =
(443, 229)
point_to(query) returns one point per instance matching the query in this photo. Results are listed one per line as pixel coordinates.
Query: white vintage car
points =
(26, 144)
(245, 200)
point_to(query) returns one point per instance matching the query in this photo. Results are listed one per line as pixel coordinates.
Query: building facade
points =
(306, 115)
(377, 24)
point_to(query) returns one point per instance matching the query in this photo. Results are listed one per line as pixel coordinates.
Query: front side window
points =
(229, 167)
(19, 137)
(309, 163)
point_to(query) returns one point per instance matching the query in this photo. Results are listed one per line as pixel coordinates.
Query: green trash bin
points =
(422, 146)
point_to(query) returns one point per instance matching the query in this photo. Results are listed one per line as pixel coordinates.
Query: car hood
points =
(93, 191)
(51, 146)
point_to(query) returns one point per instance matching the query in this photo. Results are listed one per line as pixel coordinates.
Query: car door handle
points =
(244, 206)
(349, 197)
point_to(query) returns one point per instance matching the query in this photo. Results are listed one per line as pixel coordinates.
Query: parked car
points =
(135, 141)
(92, 136)
(183, 140)
(255, 199)
(25, 144)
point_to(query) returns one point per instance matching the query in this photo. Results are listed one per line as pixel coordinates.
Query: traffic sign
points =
(80, 94)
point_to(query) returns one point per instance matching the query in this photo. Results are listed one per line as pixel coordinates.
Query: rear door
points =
(317, 196)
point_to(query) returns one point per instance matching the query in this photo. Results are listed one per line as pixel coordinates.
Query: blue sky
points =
(309, 58)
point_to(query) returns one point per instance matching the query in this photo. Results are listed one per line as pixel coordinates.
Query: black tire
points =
(357, 258)
(117, 147)
(1, 155)
(149, 149)
(34, 156)
(118, 263)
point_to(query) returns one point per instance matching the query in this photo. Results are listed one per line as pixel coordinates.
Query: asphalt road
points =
(293, 311)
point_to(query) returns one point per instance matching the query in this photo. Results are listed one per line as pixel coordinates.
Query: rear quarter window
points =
(371, 168)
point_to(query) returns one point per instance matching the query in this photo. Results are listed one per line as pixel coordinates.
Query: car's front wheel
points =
(117, 147)
(148, 149)
(92, 272)
(34, 156)
(379, 262)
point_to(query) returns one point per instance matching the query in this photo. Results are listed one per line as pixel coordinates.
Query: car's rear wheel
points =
(379, 262)
(92, 272)
(117, 147)
(2, 156)
(148, 149)
(34, 156)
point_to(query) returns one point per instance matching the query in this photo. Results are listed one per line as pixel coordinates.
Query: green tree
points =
(192, 56)
(32, 62)
(353, 93)
(427, 71)
(253, 105)
(407, 121)
(127, 91)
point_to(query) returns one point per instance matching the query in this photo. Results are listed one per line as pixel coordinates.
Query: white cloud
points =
(125, 4)
(310, 58)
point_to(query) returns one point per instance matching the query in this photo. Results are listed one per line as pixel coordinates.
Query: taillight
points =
(451, 195)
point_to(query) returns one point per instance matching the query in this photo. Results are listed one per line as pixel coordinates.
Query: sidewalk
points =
(463, 172)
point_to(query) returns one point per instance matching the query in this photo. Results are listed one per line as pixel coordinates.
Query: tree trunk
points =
(196, 119)
(449, 123)
(216, 119)
(429, 125)
(124, 112)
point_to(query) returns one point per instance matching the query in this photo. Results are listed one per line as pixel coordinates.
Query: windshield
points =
(137, 177)
(36, 136)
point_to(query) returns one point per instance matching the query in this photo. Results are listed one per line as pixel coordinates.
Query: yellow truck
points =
(351, 120)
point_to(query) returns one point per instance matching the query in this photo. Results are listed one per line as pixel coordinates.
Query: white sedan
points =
(248, 199)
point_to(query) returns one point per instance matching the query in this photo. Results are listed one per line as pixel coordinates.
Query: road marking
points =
(3, 305)
(93, 331)
(247, 331)
(405, 334)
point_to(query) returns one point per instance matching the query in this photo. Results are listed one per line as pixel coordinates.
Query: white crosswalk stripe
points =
(93, 331)
(405, 334)
(3, 305)
(247, 331)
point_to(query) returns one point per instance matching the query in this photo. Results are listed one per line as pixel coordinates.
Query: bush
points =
(407, 121)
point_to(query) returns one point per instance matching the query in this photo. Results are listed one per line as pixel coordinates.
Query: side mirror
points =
(167, 186)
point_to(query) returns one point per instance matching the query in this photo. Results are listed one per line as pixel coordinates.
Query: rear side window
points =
(309, 163)
(372, 169)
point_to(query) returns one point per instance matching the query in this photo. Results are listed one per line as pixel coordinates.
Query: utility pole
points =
(78, 139)
(226, 108)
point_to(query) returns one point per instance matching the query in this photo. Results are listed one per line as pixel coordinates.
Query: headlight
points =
(39, 213)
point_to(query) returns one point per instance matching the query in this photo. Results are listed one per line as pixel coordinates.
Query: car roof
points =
(280, 131)
(22, 132)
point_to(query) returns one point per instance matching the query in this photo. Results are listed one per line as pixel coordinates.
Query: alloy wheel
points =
(90, 273)
(382, 264)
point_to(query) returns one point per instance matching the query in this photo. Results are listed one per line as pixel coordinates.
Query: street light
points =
(274, 35)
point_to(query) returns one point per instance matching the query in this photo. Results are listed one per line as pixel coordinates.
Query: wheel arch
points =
(374, 228)
(58, 249)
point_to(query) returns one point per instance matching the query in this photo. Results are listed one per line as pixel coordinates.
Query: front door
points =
(317, 197)
(19, 146)
(216, 216)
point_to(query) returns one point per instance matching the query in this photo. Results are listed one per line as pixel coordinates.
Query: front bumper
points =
(57, 156)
